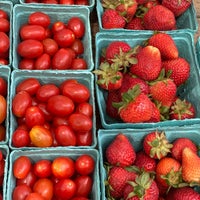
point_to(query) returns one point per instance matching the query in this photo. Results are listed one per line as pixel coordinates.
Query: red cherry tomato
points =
(83, 185)
(20, 192)
(39, 18)
(60, 105)
(50, 46)
(65, 136)
(43, 108)
(20, 102)
(30, 48)
(26, 63)
(34, 116)
(3, 14)
(84, 138)
(42, 168)
(85, 108)
(35, 32)
(20, 138)
(62, 59)
(46, 91)
(41, 136)
(21, 167)
(30, 85)
(43, 62)
(3, 108)
(64, 37)
(80, 122)
(4, 42)
(63, 167)
(57, 26)
(65, 189)
(4, 25)
(77, 25)
(34, 196)
(78, 92)
(85, 164)
(67, 2)
(57, 121)
(44, 187)
(79, 64)
(2, 132)
(78, 47)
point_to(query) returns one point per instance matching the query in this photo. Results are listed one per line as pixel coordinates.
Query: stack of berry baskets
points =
(6, 33)
(137, 15)
(161, 163)
(159, 68)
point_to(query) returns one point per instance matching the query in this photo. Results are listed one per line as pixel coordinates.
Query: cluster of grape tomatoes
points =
(4, 37)
(50, 115)
(60, 178)
(48, 45)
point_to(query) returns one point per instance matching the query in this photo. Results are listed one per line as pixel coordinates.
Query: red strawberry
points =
(148, 64)
(135, 106)
(166, 44)
(140, 2)
(143, 161)
(120, 152)
(135, 24)
(156, 115)
(178, 7)
(168, 172)
(179, 144)
(184, 193)
(190, 166)
(109, 78)
(182, 109)
(163, 91)
(117, 179)
(179, 70)
(156, 145)
(130, 81)
(111, 19)
(159, 18)
(144, 187)
(112, 97)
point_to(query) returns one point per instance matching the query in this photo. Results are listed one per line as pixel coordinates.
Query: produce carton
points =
(56, 78)
(189, 91)
(186, 21)
(49, 154)
(56, 13)
(136, 136)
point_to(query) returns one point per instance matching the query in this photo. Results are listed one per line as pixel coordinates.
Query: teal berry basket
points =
(49, 154)
(56, 78)
(7, 6)
(187, 21)
(21, 13)
(136, 136)
(5, 73)
(189, 91)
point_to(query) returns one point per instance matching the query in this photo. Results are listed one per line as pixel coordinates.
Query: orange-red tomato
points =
(41, 136)
(3, 108)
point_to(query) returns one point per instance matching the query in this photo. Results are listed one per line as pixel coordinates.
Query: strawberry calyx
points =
(160, 146)
(140, 185)
(181, 107)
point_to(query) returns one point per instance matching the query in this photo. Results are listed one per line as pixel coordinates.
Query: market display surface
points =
(99, 100)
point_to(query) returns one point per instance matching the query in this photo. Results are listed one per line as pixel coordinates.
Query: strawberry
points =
(120, 53)
(135, 24)
(179, 144)
(113, 96)
(135, 106)
(144, 187)
(129, 81)
(182, 109)
(184, 193)
(168, 172)
(143, 161)
(178, 68)
(163, 91)
(156, 145)
(148, 64)
(111, 19)
(109, 78)
(159, 18)
(117, 179)
(190, 166)
(178, 7)
(156, 115)
(166, 44)
(120, 152)
(140, 2)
